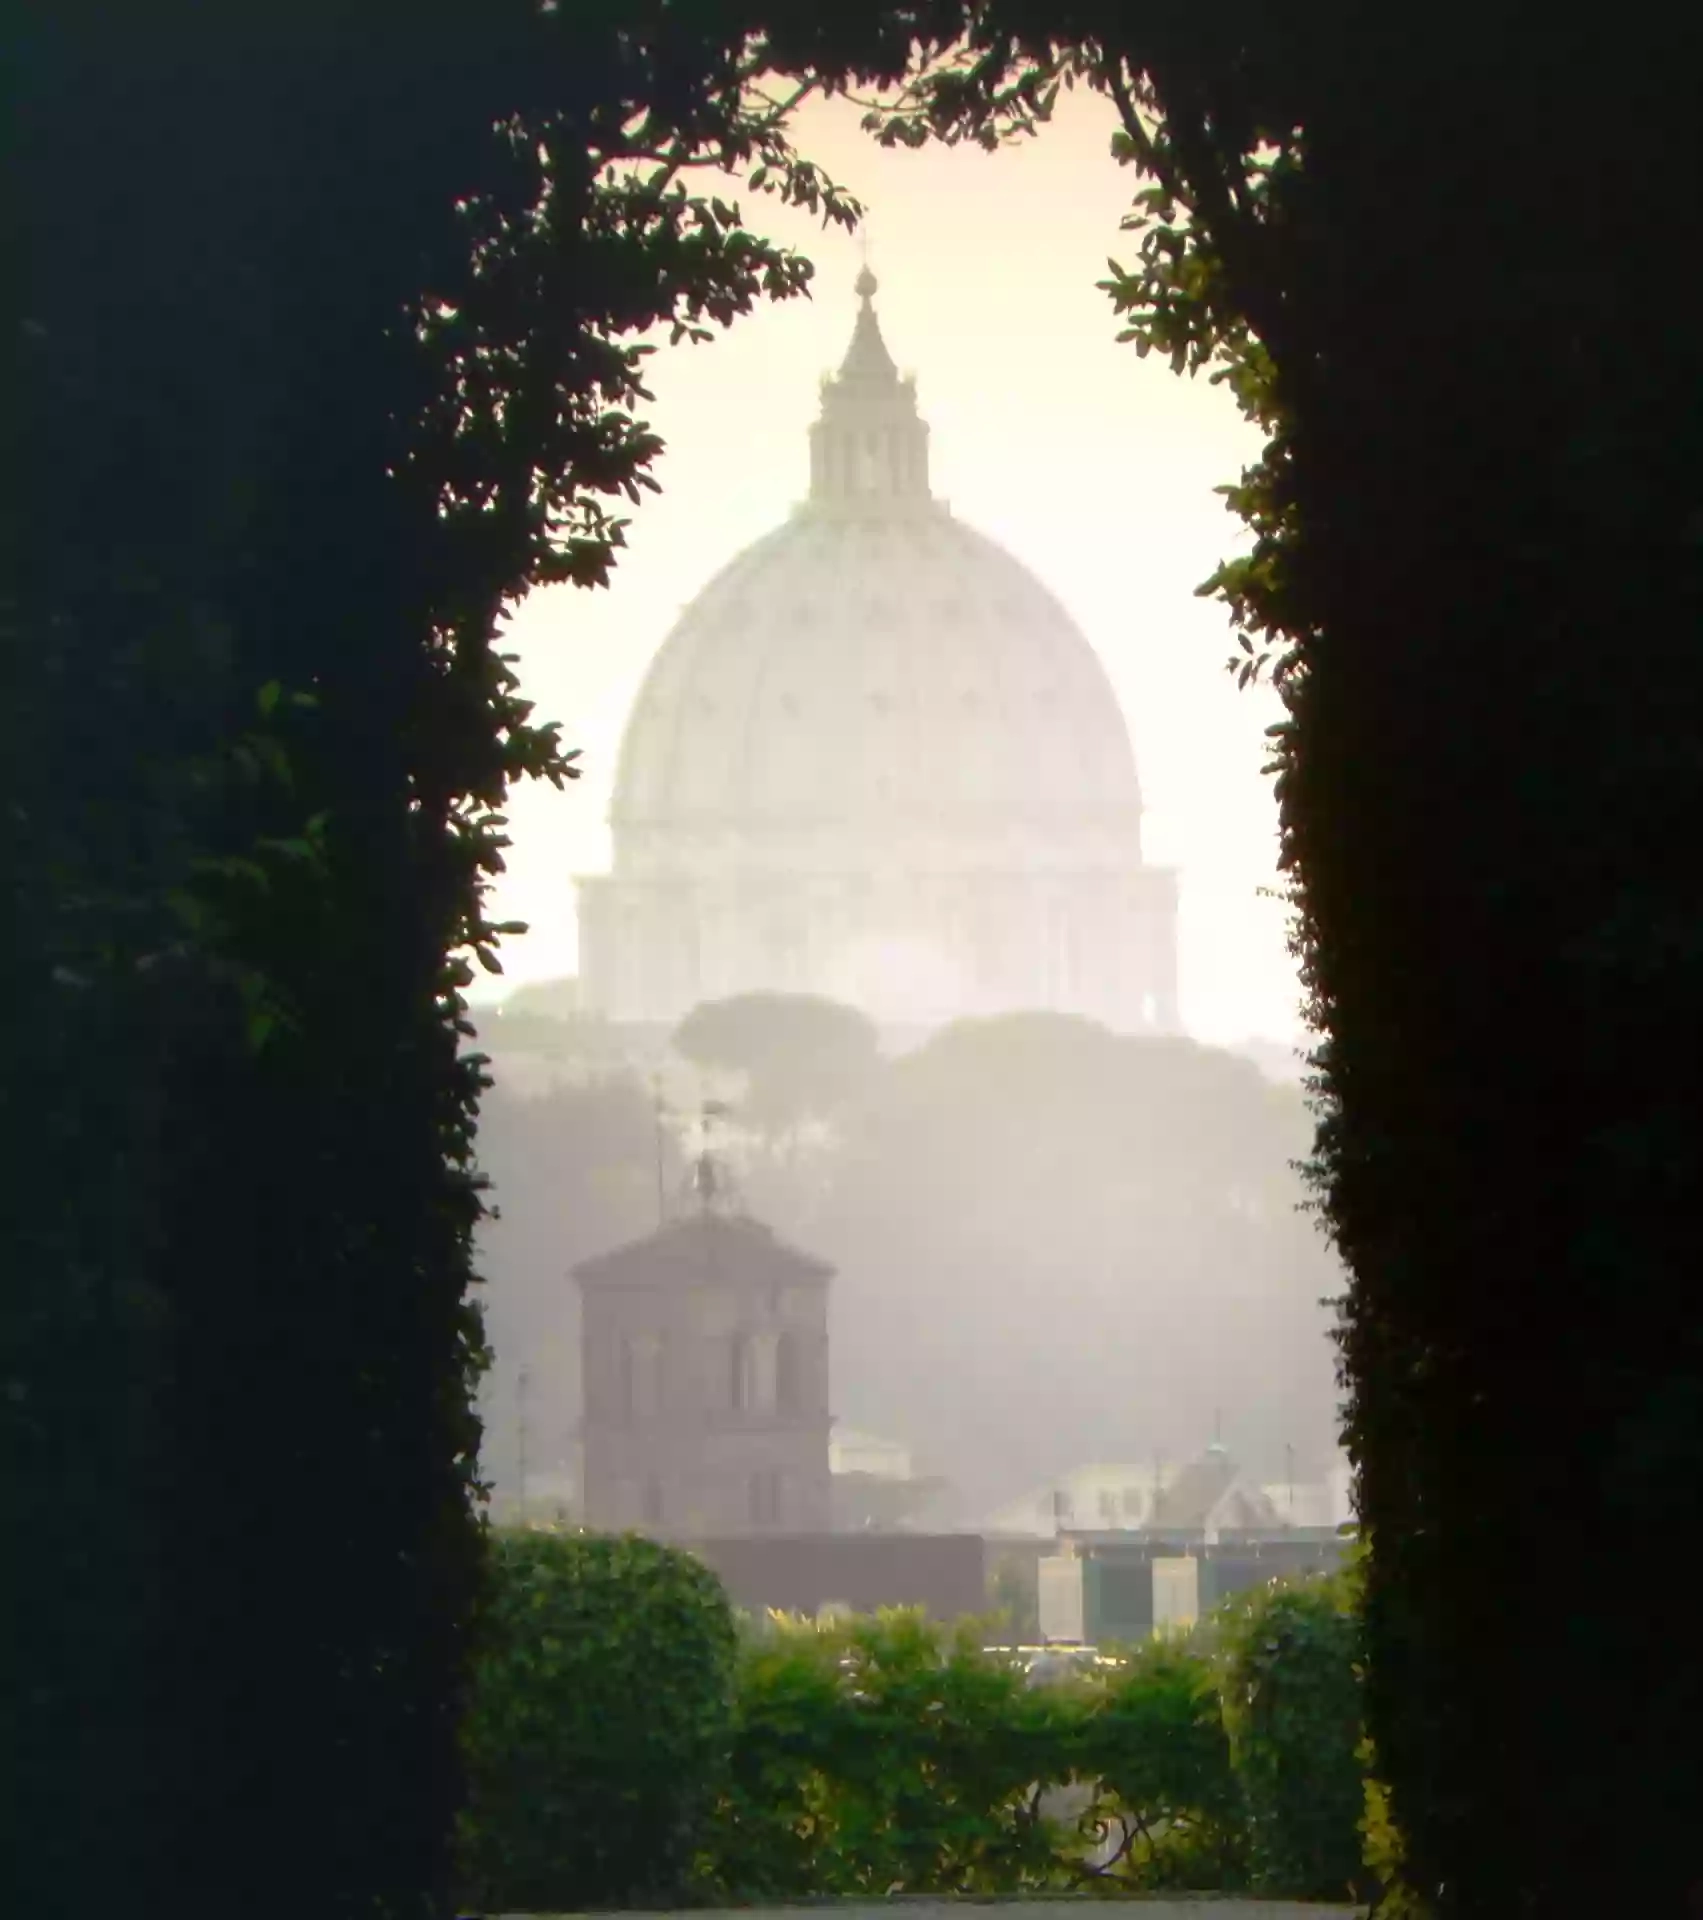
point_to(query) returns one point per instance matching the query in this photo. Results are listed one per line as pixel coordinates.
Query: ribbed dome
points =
(876, 666)
(881, 666)
(876, 761)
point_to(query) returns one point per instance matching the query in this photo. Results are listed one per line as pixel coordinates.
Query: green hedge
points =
(628, 1745)
(877, 1754)
(600, 1718)
(1291, 1702)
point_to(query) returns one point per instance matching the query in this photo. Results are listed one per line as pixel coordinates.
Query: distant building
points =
(1199, 1501)
(876, 760)
(820, 1575)
(1321, 1503)
(874, 1487)
(1100, 1495)
(705, 1368)
(1104, 1588)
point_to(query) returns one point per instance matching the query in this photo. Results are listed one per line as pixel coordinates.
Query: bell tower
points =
(704, 1350)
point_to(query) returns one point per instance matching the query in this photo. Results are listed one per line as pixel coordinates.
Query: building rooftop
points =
(705, 1245)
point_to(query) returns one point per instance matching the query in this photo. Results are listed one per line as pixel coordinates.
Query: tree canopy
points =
(801, 1057)
(1052, 1242)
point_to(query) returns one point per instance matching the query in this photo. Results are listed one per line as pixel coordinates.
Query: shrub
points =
(598, 1725)
(884, 1754)
(1156, 1742)
(1291, 1694)
(880, 1753)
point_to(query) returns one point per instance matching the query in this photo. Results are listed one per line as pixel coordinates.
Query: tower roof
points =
(705, 1246)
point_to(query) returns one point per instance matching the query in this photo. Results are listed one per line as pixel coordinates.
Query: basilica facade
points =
(876, 760)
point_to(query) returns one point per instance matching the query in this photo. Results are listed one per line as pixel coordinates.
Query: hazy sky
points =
(1094, 467)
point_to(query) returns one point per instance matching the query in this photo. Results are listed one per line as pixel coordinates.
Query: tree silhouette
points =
(801, 1058)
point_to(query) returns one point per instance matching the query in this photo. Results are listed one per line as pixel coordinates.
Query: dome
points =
(888, 669)
(875, 665)
(876, 760)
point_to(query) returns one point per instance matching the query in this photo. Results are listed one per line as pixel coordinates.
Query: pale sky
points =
(1092, 466)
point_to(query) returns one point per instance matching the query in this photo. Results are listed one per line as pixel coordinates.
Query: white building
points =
(875, 1485)
(876, 760)
(851, 1450)
(1208, 1497)
(1100, 1495)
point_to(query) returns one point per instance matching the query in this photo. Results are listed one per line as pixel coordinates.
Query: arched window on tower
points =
(790, 1375)
(642, 1376)
(768, 1497)
(751, 1373)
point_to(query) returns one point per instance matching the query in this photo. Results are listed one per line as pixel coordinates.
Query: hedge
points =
(600, 1716)
(629, 1746)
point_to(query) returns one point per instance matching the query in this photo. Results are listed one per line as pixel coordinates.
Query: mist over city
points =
(956, 906)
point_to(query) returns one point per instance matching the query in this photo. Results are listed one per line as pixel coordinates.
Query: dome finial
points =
(865, 284)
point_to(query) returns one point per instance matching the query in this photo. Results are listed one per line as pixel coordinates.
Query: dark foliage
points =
(323, 356)
(601, 1710)
(238, 1442)
(1292, 1700)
